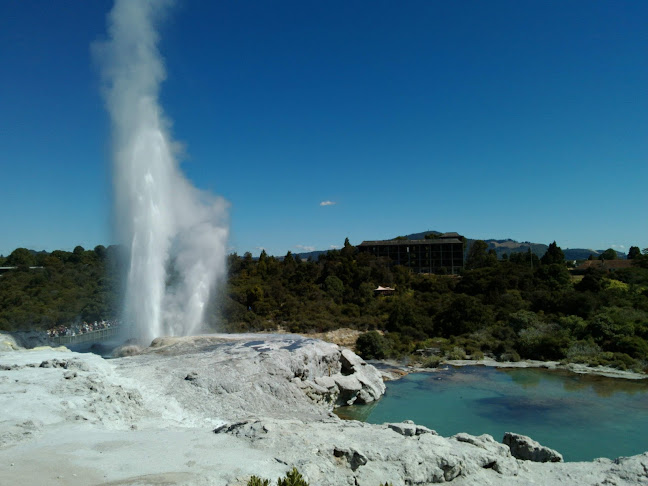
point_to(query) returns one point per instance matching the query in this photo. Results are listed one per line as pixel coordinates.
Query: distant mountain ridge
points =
(501, 247)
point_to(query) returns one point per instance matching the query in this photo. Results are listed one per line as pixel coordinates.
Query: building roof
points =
(437, 241)
(605, 264)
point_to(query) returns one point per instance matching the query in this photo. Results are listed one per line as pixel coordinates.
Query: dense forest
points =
(59, 288)
(518, 306)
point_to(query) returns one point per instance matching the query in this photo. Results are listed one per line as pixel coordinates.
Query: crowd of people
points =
(80, 328)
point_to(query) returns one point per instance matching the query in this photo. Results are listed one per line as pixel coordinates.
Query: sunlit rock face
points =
(280, 376)
(175, 234)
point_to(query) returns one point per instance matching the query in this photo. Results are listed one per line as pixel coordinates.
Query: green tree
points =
(554, 276)
(591, 282)
(348, 250)
(289, 260)
(478, 257)
(100, 252)
(609, 254)
(334, 287)
(464, 314)
(20, 257)
(372, 345)
(634, 252)
(554, 254)
(61, 255)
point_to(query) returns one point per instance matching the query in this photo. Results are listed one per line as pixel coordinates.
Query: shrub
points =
(457, 353)
(432, 362)
(582, 349)
(372, 345)
(509, 356)
(622, 361)
(257, 481)
(293, 478)
(475, 355)
(633, 346)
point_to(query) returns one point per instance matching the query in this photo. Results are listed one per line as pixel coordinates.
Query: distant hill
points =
(509, 246)
(501, 247)
(583, 254)
(313, 255)
(421, 236)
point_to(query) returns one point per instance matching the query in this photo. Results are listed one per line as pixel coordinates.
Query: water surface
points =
(581, 416)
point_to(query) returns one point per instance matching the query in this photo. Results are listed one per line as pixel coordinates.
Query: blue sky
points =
(500, 119)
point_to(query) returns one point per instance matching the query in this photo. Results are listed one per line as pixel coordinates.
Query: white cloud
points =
(335, 247)
(328, 203)
(618, 247)
(305, 248)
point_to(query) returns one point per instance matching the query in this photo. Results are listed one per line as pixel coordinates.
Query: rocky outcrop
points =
(218, 409)
(232, 377)
(527, 449)
(408, 428)
(334, 452)
(355, 383)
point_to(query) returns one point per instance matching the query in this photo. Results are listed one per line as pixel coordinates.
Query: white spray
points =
(176, 234)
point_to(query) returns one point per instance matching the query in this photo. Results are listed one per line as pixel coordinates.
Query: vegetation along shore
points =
(511, 308)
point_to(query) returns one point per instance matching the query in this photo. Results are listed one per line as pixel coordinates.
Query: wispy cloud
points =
(618, 247)
(305, 248)
(335, 247)
(328, 203)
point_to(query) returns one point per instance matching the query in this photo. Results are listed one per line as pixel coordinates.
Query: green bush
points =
(633, 346)
(509, 356)
(476, 355)
(432, 362)
(293, 478)
(372, 345)
(257, 481)
(583, 349)
(456, 353)
(622, 361)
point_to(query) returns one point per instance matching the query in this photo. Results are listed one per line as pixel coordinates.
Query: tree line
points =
(518, 306)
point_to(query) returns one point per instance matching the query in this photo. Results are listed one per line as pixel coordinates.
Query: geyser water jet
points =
(166, 224)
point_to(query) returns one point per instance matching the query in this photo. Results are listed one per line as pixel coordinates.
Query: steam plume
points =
(175, 234)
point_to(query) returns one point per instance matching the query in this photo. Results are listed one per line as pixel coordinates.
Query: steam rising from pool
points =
(175, 233)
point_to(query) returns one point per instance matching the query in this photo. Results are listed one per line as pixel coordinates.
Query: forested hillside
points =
(58, 288)
(517, 307)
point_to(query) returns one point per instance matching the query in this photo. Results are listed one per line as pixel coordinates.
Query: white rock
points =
(525, 448)
(151, 418)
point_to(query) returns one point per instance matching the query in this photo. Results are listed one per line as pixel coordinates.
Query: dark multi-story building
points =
(443, 254)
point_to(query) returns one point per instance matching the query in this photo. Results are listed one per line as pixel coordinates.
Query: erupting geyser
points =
(167, 224)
